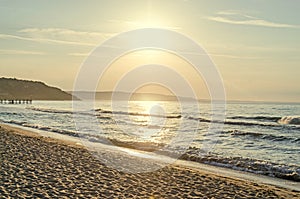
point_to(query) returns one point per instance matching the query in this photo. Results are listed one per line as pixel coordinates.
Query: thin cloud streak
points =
(64, 32)
(223, 17)
(231, 13)
(144, 24)
(44, 40)
(232, 56)
(20, 52)
(79, 54)
(58, 36)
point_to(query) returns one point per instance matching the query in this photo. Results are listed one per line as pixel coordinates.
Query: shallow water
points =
(253, 137)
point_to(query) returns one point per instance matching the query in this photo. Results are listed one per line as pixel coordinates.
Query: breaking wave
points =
(233, 122)
(257, 135)
(258, 118)
(137, 114)
(98, 112)
(290, 120)
(276, 124)
(289, 172)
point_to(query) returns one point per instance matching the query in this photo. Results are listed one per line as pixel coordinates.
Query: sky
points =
(254, 44)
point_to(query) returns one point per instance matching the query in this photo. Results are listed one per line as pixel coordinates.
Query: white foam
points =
(289, 120)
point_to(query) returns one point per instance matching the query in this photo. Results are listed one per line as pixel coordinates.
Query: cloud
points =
(58, 36)
(79, 54)
(144, 24)
(56, 32)
(228, 56)
(233, 17)
(231, 56)
(237, 13)
(20, 52)
(44, 40)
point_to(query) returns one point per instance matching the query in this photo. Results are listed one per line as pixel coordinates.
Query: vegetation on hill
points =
(11, 88)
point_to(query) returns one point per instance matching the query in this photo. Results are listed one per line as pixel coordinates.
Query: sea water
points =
(260, 138)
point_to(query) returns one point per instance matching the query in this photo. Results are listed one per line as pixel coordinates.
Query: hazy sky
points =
(255, 43)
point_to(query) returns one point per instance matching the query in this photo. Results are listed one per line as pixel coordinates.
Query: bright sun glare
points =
(152, 107)
(147, 24)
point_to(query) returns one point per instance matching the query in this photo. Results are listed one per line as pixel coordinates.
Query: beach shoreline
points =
(37, 166)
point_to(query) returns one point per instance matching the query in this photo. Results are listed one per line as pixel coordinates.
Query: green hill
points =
(11, 88)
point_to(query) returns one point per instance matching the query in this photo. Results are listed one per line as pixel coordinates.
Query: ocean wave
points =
(290, 120)
(264, 121)
(147, 146)
(137, 114)
(258, 118)
(262, 136)
(284, 171)
(289, 172)
(43, 128)
(232, 122)
(142, 145)
(13, 122)
(47, 110)
(101, 111)
(262, 167)
(104, 117)
(276, 126)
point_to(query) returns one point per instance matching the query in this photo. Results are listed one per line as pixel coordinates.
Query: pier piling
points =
(15, 101)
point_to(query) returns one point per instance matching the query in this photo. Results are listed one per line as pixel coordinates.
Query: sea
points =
(261, 138)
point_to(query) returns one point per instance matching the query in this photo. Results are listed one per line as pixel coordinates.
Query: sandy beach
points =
(37, 167)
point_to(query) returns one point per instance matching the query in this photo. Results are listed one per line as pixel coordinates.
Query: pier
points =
(15, 101)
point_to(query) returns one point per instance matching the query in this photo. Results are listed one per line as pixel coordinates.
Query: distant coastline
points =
(110, 95)
(119, 95)
(17, 89)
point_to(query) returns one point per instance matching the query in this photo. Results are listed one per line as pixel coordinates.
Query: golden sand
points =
(34, 166)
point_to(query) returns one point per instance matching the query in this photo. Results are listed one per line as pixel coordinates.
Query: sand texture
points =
(37, 167)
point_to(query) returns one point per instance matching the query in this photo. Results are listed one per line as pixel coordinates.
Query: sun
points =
(146, 24)
(150, 22)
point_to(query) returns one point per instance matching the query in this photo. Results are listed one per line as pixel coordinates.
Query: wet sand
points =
(34, 166)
